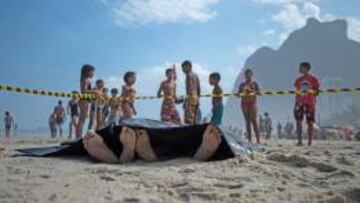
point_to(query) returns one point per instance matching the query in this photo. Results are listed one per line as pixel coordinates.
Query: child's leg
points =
(310, 131)
(253, 116)
(247, 122)
(299, 116)
(84, 108)
(299, 131)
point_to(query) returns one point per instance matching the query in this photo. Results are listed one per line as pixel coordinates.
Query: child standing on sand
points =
(305, 103)
(217, 99)
(87, 73)
(193, 92)
(167, 90)
(100, 104)
(249, 104)
(128, 94)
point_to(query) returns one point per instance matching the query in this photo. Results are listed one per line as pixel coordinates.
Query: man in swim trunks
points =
(305, 103)
(59, 112)
(249, 104)
(217, 99)
(9, 123)
(167, 90)
(193, 92)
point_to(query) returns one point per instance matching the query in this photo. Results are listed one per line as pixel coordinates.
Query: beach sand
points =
(328, 172)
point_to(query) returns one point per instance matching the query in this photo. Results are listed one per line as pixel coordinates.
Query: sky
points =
(43, 43)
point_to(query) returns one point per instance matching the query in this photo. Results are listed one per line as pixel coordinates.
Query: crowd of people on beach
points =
(110, 109)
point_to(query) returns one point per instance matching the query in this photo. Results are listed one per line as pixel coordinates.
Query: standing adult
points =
(193, 92)
(9, 123)
(59, 112)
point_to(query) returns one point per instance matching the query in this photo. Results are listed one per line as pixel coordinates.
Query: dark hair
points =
(7, 113)
(85, 69)
(186, 63)
(128, 75)
(215, 76)
(99, 81)
(114, 91)
(248, 70)
(306, 65)
(59, 102)
(168, 71)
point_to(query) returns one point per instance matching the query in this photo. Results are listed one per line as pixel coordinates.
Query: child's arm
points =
(160, 90)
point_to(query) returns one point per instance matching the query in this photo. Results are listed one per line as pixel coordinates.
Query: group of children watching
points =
(103, 113)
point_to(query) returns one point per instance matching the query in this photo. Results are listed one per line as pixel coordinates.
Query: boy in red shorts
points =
(305, 103)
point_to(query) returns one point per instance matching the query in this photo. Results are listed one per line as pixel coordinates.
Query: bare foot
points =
(95, 146)
(128, 139)
(210, 143)
(143, 146)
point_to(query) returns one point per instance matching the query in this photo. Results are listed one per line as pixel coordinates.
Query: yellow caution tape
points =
(242, 94)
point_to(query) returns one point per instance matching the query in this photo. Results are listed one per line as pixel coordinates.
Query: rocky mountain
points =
(335, 60)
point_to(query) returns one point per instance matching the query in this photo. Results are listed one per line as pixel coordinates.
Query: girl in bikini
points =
(87, 73)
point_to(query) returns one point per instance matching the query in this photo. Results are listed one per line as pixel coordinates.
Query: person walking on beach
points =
(167, 90)
(249, 104)
(193, 92)
(305, 102)
(128, 93)
(268, 125)
(217, 99)
(9, 123)
(87, 73)
(59, 112)
(73, 110)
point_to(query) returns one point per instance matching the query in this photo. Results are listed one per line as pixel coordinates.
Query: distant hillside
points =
(335, 60)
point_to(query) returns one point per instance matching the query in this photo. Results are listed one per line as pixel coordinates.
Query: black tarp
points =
(233, 144)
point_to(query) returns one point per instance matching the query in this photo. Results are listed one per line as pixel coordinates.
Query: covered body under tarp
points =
(184, 140)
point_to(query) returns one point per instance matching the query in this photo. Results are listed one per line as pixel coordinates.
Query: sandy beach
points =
(327, 172)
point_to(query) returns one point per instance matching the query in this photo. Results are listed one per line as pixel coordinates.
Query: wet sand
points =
(328, 172)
